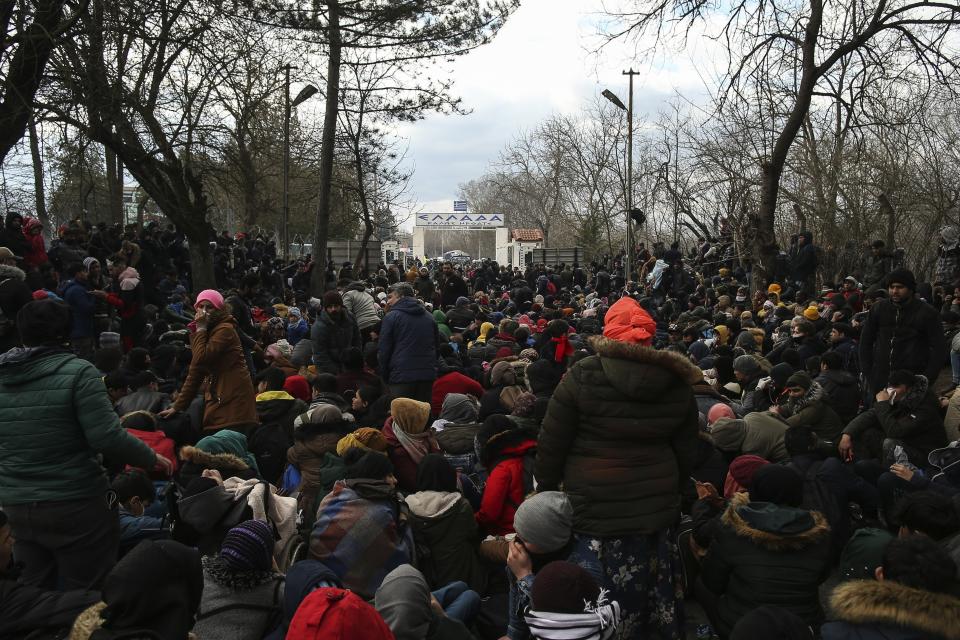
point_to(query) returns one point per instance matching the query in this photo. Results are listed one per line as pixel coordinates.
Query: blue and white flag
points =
(459, 205)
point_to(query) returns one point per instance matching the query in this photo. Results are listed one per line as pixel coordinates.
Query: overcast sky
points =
(541, 63)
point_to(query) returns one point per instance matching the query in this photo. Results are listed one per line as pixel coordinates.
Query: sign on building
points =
(459, 220)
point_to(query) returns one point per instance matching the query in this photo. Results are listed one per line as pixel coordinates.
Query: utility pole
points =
(285, 223)
(628, 258)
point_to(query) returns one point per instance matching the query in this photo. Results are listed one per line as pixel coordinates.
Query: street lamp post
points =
(288, 106)
(612, 97)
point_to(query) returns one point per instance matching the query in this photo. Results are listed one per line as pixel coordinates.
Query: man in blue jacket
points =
(76, 293)
(408, 346)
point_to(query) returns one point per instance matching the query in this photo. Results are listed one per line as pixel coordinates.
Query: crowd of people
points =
(474, 451)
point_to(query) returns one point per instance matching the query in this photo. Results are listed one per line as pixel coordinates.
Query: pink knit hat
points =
(212, 296)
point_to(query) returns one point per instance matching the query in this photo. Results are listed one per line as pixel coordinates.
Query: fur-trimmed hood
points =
(889, 603)
(673, 362)
(6, 272)
(738, 512)
(219, 461)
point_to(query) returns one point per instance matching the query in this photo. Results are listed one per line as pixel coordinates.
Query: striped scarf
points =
(596, 623)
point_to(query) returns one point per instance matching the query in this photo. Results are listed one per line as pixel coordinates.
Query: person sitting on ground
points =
(153, 592)
(275, 406)
(354, 374)
(277, 356)
(329, 612)
(143, 426)
(502, 449)
(503, 383)
(314, 463)
(28, 612)
(566, 599)
(224, 451)
(905, 414)
(759, 433)
(842, 389)
(768, 551)
(910, 598)
(806, 406)
(145, 397)
(409, 439)
(361, 531)
(242, 589)
(449, 381)
(135, 493)
(414, 613)
(544, 524)
(442, 521)
(324, 391)
(932, 515)
(371, 406)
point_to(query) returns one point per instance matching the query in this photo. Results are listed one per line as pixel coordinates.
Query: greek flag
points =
(460, 205)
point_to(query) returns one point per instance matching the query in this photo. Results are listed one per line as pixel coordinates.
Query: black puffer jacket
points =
(621, 435)
(331, 338)
(901, 336)
(842, 391)
(915, 420)
(764, 554)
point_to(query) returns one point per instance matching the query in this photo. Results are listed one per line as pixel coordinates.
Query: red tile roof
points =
(527, 235)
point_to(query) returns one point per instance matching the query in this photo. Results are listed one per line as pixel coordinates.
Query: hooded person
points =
(153, 592)
(503, 386)
(452, 380)
(408, 439)
(457, 408)
(948, 257)
(404, 602)
(303, 578)
(566, 600)
(502, 449)
(913, 597)
(442, 521)
(242, 593)
(621, 430)
(313, 461)
(759, 434)
(366, 438)
(225, 451)
(329, 612)
(542, 378)
(362, 532)
(767, 552)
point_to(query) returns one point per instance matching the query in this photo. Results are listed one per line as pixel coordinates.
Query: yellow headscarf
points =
(363, 438)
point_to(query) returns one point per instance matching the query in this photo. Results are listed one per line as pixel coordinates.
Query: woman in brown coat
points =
(219, 366)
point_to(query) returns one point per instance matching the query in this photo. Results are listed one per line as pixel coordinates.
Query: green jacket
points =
(620, 437)
(55, 417)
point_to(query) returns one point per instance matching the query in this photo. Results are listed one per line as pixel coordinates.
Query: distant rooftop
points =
(526, 235)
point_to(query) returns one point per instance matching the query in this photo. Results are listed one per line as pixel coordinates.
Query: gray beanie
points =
(746, 364)
(546, 520)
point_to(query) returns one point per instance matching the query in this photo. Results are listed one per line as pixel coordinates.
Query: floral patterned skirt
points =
(644, 574)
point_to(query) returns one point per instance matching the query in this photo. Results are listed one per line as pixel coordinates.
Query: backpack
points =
(269, 443)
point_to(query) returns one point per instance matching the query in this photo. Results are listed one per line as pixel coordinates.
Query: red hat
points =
(337, 614)
(298, 387)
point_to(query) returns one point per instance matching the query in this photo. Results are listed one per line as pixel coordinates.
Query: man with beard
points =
(901, 332)
(452, 286)
(332, 334)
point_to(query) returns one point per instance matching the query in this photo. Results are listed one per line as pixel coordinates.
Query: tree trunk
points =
(25, 67)
(772, 170)
(38, 176)
(318, 278)
(114, 186)
(201, 262)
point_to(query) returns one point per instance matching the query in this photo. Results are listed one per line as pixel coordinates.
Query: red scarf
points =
(562, 349)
